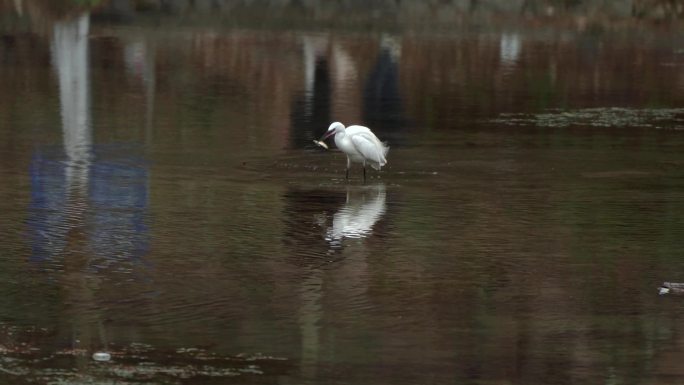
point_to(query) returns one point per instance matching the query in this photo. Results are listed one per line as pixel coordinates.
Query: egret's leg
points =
(364, 172)
(346, 175)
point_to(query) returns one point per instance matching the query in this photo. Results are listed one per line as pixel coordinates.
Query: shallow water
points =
(163, 201)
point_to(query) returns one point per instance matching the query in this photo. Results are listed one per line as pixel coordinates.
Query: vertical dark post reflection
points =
(383, 108)
(311, 112)
(327, 233)
(335, 88)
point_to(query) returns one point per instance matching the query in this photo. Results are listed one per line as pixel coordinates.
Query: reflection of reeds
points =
(414, 14)
(445, 79)
(43, 14)
(658, 9)
(361, 15)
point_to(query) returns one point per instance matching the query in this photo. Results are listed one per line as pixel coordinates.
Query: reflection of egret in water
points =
(363, 208)
(320, 224)
(321, 218)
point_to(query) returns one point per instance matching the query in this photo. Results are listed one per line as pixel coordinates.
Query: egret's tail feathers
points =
(378, 165)
(383, 161)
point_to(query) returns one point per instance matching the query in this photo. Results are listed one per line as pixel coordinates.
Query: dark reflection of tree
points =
(382, 104)
(310, 115)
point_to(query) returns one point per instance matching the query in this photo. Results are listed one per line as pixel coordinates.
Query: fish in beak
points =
(321, 143)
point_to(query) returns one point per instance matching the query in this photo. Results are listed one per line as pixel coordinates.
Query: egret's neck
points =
(339, 138)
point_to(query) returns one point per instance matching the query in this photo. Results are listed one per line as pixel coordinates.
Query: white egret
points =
(359, 144)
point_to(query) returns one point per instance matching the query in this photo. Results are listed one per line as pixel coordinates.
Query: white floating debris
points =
(671, 288)
(102, 356)
(320, 143)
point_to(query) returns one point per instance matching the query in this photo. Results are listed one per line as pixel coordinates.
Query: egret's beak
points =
(326, 135)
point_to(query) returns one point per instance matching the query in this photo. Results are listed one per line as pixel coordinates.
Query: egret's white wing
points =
(353, 130)
(370, 147)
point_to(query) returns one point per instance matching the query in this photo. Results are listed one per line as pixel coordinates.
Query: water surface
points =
(162, 201)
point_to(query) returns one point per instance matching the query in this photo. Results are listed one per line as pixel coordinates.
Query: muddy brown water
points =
(162, 200)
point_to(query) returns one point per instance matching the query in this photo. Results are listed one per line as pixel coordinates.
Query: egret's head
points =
(332, 130)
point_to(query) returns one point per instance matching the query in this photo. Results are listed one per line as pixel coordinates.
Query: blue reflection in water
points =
(46, 219)
(119, 201)
(112, 212)
(88, 203)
